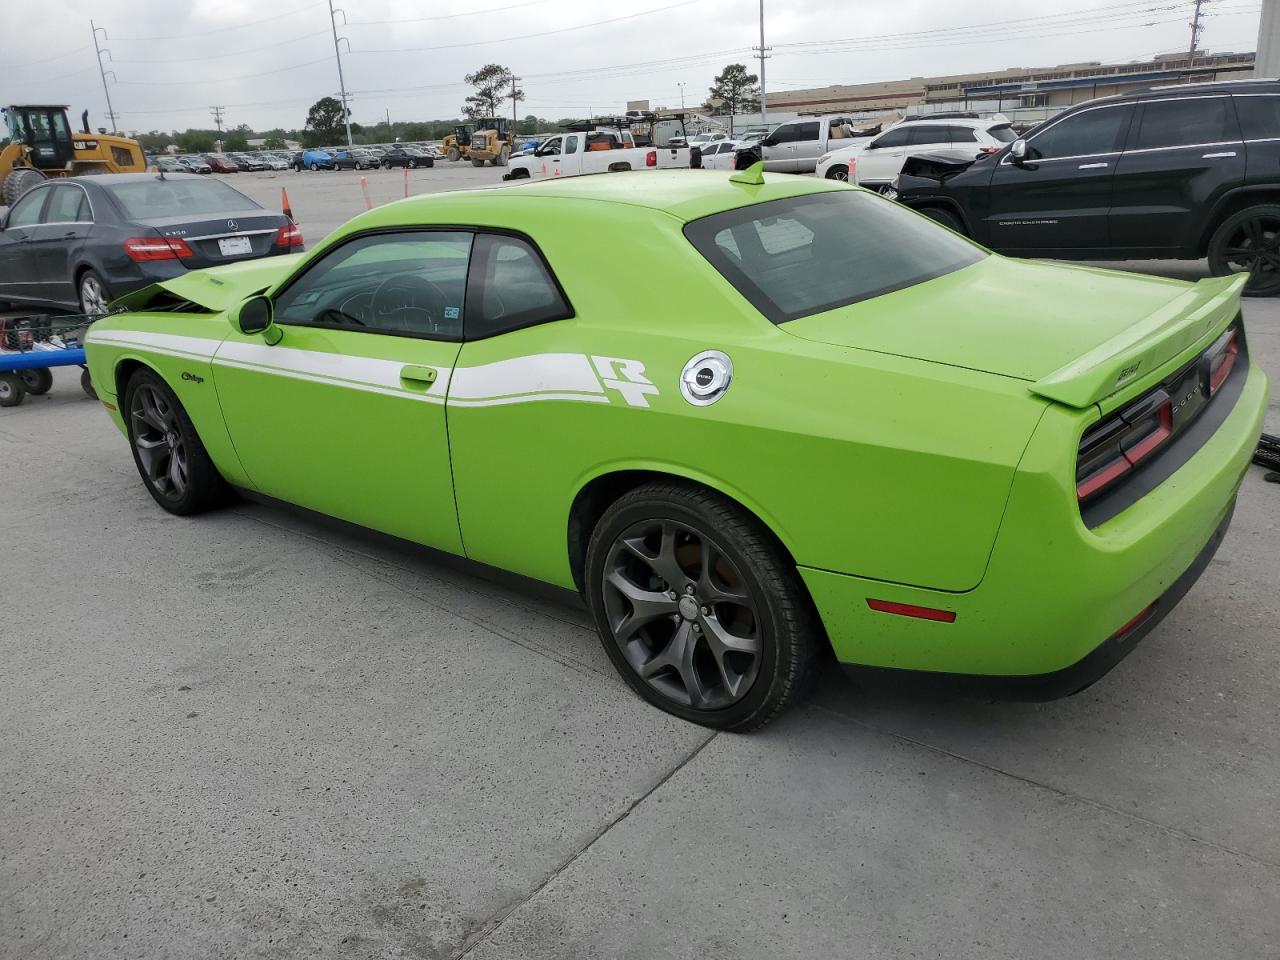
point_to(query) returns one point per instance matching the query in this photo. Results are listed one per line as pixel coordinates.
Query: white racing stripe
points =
(539, 376)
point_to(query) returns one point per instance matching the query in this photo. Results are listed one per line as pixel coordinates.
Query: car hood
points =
(1077, 333)
(216, 288)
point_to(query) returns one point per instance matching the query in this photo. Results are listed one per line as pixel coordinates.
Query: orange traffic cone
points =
(284, 203)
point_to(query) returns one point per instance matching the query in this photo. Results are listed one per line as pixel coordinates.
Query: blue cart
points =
(30, 346)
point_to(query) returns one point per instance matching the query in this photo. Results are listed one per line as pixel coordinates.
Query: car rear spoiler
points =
(1149, 344)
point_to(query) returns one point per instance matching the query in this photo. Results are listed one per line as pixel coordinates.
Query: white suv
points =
(876, 161)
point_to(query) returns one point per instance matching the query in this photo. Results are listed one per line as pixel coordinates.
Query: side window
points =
(962, 134)
(785, 133)
(1081, 135)
(807, 131)
(550, 148)
(1259, 117)
(408, 284)
(66, 205)
(926, 133)
(510, 288)
(893, 138)
(1180, 123)
(571, 144)
(26, 212)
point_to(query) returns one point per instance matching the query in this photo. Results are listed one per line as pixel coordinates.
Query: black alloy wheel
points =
(171, 459)
(838, 173)
(1249, 242)
(698, 607)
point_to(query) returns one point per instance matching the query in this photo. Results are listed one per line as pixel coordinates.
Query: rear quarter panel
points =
(859, 462)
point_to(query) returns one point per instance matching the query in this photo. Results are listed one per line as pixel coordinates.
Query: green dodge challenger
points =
(750, 420)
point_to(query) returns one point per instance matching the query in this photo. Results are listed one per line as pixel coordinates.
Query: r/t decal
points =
(627, 377)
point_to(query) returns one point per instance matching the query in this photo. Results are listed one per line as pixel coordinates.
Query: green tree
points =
(233, 141)
(734, 90)
(493, 87)
(274, 143)
(325, 123)
(154, 142)
(195, 141)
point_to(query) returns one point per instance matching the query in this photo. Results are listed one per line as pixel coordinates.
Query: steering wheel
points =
(408, 301)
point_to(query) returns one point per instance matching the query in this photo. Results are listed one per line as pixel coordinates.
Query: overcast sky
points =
(268, 60)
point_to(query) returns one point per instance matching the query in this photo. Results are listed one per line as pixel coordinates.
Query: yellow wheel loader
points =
(43, 145)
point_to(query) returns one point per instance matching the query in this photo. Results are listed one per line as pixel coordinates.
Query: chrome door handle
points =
(1218, 156)
(1092, 166)
(418, 374)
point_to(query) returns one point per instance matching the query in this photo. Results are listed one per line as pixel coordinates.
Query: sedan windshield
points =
(149, 199)
(803, 255)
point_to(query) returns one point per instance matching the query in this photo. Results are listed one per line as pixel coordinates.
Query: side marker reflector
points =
(911, 610)
(1146, 612)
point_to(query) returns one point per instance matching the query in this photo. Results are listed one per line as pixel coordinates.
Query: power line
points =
(235, 53)
(450, 16)
(238, 26)
(531, 36)
(222, 79)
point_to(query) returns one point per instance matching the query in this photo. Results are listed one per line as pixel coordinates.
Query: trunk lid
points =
(1076, 333)
(217, 288)
(249, 233)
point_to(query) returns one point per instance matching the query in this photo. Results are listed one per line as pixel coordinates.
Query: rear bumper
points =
(1046, 686)
(1056, 593)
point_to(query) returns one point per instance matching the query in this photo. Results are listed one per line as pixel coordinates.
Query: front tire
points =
(314, 166)
(1249, 241)
(94, 295)
(838, 172)
(12, 390)
(173, 463)
(454, 155)
(19, 181)
(699, 608)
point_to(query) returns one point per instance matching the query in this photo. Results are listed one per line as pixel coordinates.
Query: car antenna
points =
(753, 175)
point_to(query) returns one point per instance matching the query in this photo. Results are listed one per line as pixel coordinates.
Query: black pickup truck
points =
(1167, 173)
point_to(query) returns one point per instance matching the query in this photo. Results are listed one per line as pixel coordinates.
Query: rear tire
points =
(454, 155)
(86, 384)
(699, 608)
(12, 390)
(314, 166)
(1249, 241)
(172, 462)
(944, 217)
(94, 295)
(19, 181)
(37, 380)
(477, 163)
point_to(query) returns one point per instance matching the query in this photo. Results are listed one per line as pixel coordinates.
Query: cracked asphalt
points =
(258, 734)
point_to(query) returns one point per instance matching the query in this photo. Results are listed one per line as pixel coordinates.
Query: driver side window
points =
(408, 284)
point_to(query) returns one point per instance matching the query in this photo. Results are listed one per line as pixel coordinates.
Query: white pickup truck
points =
(593, 151)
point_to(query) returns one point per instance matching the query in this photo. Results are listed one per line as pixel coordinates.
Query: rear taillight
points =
(1118, 444)
(853, 169)
(1222, 357)
(651, 158)
(289, 236)
(989, 149)
(144, 249)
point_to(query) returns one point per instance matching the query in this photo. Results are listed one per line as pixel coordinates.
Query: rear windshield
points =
(150, 199)
(803, 255)
(1002, 132)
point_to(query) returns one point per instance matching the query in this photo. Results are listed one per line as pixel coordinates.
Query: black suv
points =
(1169, 173)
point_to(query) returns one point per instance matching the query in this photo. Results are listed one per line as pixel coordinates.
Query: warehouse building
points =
(1038, 89)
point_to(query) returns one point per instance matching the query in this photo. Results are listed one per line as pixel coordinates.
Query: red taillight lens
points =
(143, 249)
(1136, 621)
(1115, 446)
(853, 169)
(289, 236)
(1222, 357)
(651, 158)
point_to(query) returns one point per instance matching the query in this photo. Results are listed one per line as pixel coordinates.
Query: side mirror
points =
(768, 142)
(1019, 150)
(254, 316)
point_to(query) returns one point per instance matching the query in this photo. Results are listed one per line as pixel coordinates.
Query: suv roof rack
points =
(1209, 83)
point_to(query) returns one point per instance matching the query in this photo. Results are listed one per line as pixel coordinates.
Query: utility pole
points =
(388, 109)
(762, 55)
(111, 114)
(514, 121)
(337, 53)
(680, 84)
(217, 118)
(1196, 28)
